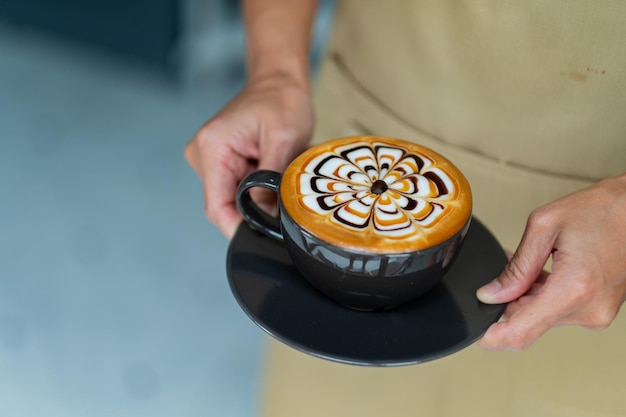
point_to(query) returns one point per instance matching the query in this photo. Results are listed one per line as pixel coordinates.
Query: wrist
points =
(278, 37)
(288, 68)
(280, 78)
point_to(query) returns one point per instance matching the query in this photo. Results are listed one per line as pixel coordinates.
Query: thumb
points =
(275, 158)
(523, 269)
(277, 153)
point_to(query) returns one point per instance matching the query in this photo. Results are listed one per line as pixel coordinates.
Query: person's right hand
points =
(264, 127)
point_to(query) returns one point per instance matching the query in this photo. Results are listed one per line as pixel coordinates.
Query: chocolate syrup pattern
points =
(378, 185)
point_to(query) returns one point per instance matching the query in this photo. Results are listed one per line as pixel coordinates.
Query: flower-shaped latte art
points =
(377, 186)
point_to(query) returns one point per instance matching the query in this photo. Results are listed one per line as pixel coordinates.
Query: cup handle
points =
(251, 213)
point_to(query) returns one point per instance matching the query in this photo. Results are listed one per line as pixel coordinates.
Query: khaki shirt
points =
(528, 98)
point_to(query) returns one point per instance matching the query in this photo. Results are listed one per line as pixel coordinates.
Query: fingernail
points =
(487, 293)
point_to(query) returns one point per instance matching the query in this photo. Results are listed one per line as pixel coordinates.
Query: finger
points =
(220, 185)
(276, 154)
(267, 200)
(587, 303)
(223, 213)
(534, 290)
(524, 267)
(190, 153)
(229, 222)
(279, 147)
(533, 317)
(514, 306)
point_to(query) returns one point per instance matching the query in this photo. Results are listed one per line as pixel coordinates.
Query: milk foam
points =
(338, 183)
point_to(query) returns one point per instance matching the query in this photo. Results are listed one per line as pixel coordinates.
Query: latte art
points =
(374, 191)
(362, 185)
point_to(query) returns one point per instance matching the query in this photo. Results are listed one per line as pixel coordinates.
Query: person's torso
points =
(540, 85)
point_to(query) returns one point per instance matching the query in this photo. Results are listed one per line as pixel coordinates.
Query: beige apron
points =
(528, 98)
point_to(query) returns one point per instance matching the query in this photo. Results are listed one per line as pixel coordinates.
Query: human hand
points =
(585, 232)
(263, 127)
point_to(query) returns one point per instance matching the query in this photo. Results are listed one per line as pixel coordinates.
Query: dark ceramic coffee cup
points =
(371, 222)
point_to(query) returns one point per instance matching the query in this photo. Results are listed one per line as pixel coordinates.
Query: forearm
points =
(278, 37)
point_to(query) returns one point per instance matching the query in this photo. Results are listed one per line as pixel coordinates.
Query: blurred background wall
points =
(113, 292)
(143, 29)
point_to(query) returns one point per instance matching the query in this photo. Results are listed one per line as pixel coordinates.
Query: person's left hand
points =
(585, 232)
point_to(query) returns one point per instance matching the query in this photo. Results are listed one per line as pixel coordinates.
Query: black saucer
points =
(446, 319)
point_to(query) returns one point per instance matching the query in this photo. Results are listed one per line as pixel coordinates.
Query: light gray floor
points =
(113, 292)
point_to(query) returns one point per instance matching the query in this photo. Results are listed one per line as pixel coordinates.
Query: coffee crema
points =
(376, 194)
